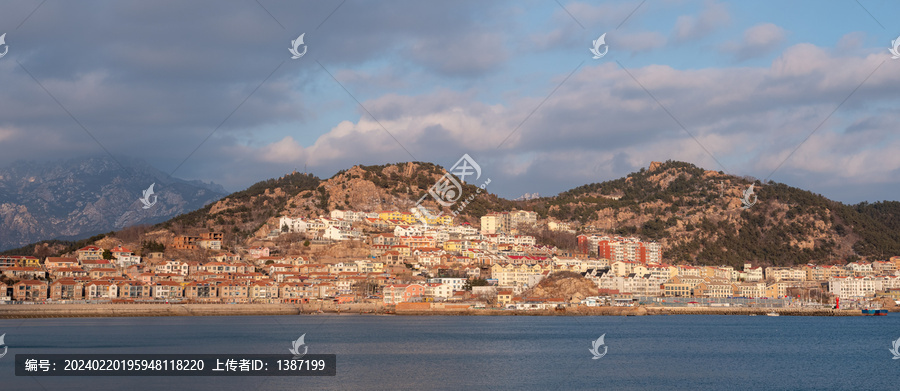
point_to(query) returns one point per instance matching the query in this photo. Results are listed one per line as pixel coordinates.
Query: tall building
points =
(523, 218)
(505, 222)
(621, 249)
(495, 223)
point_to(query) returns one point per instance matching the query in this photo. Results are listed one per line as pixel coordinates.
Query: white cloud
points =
(689, 27)
(602, 121)
(757, 41)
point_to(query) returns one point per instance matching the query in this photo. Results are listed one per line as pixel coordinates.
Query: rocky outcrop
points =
(566, 285)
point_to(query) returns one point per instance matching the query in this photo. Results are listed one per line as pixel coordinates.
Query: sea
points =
(384, 352)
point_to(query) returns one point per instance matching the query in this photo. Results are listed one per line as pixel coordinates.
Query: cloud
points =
(602, 124)
(154, 80)
(689, 27)
(469, 54)
(638, 42)
(758, 40)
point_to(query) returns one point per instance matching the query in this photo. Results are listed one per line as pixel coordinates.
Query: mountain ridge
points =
(696, 214)
(82, 196)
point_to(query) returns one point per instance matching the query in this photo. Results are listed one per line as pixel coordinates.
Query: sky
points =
(801, 92)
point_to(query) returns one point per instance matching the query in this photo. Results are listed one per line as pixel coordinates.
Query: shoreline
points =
(17, 311)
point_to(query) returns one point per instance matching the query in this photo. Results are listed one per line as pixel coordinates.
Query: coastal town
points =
(428, 263)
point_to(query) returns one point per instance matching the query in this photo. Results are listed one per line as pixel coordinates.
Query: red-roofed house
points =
(30, 290)
(101, 290)
(234, 292)
(66, 289)
(24, 272)
(134, 290)
(263, 290)
(58, 262)
(89, 252)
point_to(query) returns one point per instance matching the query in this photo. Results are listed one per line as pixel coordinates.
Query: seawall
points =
(631, 311)
(12, 311)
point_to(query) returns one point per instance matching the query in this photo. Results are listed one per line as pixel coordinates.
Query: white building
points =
(409, 230)
(343, 267)
(455, 284)
(294, 224)
(859, 287)
(438, 290)
(336, 233)
(852, 287)
(753, 274)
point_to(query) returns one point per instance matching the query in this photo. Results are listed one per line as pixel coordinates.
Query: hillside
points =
(694, 213)
(697, 216)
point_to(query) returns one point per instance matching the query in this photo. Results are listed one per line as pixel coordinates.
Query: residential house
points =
(343, 267)
(258, 252)
(57, 262)
(103, 273)
(69, 272)
(168, 290)
(681, 286)
(201, 290)
(714, 287)
(173, 266)
(134, 290)
(89, 253)
(860, 269)
(750, 289)
(263, 290)
(777, 290)
(18, 272)
(124, 257)
(401, 293)
(295, 292)
(91, 264)
(211, 240)
(101, 290)
(753, 274)
(234, 292)
(30, 290)
(884, 267)
(504, 296)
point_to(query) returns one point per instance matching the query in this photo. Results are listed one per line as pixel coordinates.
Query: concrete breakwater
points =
(128, 310)
(635, 311)
(750, 311)
(13, 311)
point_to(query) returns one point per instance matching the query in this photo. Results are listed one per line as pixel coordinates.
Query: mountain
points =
(84, 196)
(528, 196)
(695, 214)
(698, 216)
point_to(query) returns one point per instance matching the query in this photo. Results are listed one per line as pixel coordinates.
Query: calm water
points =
(494, 353)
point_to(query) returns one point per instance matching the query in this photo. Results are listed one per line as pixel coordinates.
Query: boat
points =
(773, 313)
(871, 312)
